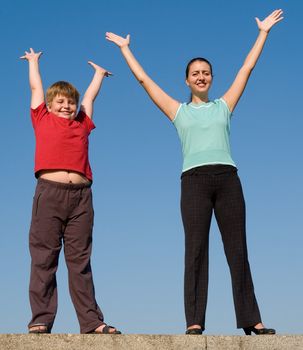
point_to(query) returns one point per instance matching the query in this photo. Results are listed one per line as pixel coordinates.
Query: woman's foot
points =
(38, 329)
(259, 329)
(194, 330)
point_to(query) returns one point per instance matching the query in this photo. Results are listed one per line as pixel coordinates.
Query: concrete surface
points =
(148, 342)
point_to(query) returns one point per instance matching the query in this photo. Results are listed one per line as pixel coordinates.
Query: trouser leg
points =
(196, 209)
(77, 250)
(230, 215)
(45, 245)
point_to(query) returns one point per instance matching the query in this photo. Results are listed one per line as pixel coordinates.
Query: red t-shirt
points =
(61, 143)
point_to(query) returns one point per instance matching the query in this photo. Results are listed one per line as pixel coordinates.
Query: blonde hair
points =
(62, 88)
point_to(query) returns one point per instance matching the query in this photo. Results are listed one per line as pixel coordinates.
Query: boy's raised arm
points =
(93, 89)
(34, 77)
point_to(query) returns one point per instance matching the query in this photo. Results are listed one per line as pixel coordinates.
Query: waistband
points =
(68, 186)
(213, 169)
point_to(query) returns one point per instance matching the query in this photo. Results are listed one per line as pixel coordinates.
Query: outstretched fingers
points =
(31, 55)
(277, 13)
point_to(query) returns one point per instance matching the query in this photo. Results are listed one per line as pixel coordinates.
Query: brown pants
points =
(62, 213)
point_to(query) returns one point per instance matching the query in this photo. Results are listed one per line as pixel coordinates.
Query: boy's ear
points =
(48, 106)
(186, 82)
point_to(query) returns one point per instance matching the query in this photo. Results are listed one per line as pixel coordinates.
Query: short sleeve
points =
(85, 120)
(177, 113)
(225, 107)
(38, 113)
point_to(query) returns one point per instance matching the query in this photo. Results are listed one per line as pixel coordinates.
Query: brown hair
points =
(62, 88)
(201, 59)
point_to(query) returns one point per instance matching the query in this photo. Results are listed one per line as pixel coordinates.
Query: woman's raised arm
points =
(167, 104)
(234, 93)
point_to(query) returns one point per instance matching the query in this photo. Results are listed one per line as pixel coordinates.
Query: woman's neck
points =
(199, 99)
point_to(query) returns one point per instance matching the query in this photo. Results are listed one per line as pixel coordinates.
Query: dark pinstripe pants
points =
(206, 189)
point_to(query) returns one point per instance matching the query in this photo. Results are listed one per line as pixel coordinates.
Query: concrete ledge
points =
(148, 342)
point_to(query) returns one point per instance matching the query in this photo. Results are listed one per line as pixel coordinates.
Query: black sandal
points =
(259, 331)
(194, 331)
(106, 330)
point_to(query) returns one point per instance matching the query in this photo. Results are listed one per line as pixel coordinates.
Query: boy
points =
(62, 207)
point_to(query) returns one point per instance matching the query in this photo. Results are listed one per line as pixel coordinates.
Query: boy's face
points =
(64, 107)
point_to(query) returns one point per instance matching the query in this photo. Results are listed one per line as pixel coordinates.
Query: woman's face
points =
(199, 78)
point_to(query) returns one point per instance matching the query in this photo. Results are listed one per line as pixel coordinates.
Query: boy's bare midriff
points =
(63, 176)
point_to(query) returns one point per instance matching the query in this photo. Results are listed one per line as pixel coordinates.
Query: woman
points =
(209, 180)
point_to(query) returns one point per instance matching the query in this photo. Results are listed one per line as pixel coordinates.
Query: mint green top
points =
(204, 130)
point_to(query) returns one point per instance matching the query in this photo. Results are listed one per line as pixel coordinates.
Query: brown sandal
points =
(38, 329)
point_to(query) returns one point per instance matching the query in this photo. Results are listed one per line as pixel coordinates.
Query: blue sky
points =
(136, 156)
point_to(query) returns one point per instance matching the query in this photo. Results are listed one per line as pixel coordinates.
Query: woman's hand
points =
(269, 21)
(118, 40)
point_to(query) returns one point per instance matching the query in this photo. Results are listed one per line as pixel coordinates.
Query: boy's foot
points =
(105, 329)
(38, 329)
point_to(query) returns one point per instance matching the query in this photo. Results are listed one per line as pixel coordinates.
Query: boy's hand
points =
(269, 21)
(99, 69)
(118, 40)
(32, 55)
